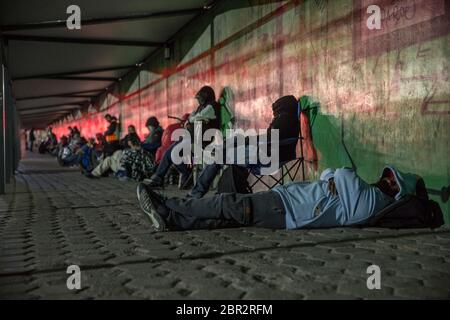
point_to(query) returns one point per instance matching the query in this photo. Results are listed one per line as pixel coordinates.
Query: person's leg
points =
(164, 166)
(102, 167)
(205, 180)
(115, 161)
(264, 209)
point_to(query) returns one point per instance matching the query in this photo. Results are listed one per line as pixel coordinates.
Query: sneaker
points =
(149, 201)
(91, 176)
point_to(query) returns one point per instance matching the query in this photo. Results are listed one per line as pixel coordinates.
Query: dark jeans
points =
(263, 209)
(151, 147)
(205, 179)
(165, 164)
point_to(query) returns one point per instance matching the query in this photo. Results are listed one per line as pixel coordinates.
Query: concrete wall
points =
(385, 92)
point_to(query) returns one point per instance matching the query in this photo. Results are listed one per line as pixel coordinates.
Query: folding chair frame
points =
(285, 170)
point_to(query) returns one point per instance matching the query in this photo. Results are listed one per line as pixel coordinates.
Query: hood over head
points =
(152, 121)
(206, 95)
(406, 181)
(286, 104)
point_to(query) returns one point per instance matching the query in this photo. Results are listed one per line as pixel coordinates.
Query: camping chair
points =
(288, 169)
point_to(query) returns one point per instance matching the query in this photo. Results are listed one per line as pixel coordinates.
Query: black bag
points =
(234, 180)
(409, 212)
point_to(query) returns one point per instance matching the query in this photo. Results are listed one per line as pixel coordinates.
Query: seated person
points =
(99, 145)
(166, 140)
(111, 135)
(208, 112)
(285, 119)
(137, 162)
(153, 140)
(130, 135)
(108, 163)
(88, 158)
(69, 154)
(339, 198)
(50, 142)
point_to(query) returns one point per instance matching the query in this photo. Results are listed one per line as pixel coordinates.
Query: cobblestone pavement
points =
(52, 217)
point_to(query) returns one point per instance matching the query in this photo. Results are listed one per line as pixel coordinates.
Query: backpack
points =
(234, 180)
(409, 212)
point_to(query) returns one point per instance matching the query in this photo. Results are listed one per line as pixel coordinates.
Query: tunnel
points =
(353, 97)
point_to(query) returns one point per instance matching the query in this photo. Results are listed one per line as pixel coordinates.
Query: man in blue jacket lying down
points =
(339, 198)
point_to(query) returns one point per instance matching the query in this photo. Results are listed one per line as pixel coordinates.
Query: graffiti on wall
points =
(297, 49)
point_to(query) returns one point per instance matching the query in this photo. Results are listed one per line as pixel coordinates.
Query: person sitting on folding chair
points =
(285, 119)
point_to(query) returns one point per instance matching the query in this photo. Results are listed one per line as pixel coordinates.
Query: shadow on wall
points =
(338, 147)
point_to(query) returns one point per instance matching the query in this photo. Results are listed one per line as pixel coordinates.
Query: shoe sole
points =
(157, 224)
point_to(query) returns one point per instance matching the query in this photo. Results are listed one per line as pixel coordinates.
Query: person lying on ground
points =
(207, 112)
(153, 141)
(339, 198)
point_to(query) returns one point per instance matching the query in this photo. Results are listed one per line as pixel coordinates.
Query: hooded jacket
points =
(406, 181)
(285, 112)
(311, 205)
(208, 111)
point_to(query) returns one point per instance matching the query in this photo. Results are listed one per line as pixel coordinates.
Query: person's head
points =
(108, 117)
(287, 105)
(388, 183)
(91, 142)
(100, 138)
(205, 95)
(152, 123)
(64, 140)
(131, 129)
(134, 143)
(50, 129)
(70, 129)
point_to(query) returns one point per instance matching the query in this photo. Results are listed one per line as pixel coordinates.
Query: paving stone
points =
(50, 221)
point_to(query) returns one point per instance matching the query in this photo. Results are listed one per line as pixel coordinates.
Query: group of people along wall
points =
(384, 95)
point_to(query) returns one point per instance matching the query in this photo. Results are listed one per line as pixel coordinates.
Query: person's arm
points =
(111, 129)
(353, 191)
(204, 115)
(327, 174)
(153, 142)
